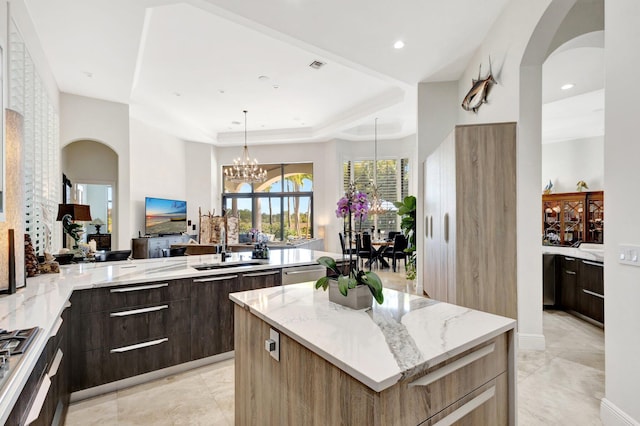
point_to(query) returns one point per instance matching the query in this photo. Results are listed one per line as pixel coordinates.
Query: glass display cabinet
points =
(572, 217)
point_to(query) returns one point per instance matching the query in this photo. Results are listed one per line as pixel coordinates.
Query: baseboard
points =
(531, 342)
(611, 415)
(147, 377)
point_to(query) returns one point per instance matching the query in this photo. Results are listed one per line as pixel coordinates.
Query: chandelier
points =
(245, 169)
(376, 207)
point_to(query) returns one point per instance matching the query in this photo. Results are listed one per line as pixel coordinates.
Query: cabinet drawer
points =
(100, 366)
(132, 325)
(487, 405)
(420, 397)
(144, 294)
(146, 356)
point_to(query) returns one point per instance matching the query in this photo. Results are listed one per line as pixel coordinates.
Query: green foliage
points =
(407, 210)
(355, 278)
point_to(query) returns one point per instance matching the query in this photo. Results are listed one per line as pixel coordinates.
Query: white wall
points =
(83, 118)
(567, 162)
(518, 43)
(622, 151)
(158, 169)
(201, 182)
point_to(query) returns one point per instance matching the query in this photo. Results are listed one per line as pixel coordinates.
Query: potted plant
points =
(364, 285)
(407, 210)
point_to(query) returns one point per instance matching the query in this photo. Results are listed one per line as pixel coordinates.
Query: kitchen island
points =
(408, 361)
(117, 321)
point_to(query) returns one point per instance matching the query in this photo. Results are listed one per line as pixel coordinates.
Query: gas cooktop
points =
(13, 344)
(17, 341)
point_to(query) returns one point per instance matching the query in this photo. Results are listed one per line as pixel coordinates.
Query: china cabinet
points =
(573, 217)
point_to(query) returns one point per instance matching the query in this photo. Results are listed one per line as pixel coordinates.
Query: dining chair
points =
(346, 250)
(397, 251)
(366, 250)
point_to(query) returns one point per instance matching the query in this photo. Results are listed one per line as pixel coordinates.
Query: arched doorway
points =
(92, 168)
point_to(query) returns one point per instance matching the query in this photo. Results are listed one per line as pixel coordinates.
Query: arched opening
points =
(92, 168)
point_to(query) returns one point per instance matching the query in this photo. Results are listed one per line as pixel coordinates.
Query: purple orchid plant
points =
(353, 206)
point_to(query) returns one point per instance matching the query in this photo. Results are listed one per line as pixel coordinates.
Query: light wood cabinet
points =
(305, 389)
(470, 219)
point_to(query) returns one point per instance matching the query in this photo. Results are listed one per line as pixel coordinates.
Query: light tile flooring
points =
(560, 386)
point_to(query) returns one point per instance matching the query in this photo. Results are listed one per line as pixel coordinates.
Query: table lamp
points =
(68, 213)
(97, 223)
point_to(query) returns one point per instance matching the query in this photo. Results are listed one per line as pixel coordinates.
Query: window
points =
(41, 148)
(393, 185)
(281, 207)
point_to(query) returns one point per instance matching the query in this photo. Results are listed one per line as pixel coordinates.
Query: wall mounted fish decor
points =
(477, 95)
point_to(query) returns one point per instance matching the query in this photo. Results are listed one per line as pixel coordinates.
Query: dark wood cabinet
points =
(573, 217)
(581, 286)
(211, 315)
(49, 376)
(212, 310)
(151, 247)
(103, 241)
(129, 330)
(550, 296)
(591, 290)
(124, 331)
(568, 284)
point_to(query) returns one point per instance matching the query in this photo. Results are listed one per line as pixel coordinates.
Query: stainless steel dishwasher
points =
(301, 274)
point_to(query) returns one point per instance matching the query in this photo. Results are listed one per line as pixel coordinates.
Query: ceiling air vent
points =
(316, 65)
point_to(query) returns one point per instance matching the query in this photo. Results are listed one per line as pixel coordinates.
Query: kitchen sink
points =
(226, 265)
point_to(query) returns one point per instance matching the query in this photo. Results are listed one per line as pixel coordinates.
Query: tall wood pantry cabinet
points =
(470, 219)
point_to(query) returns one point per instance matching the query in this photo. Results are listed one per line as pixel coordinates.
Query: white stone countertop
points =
(585, 251)
(379, 346)
(41, 303)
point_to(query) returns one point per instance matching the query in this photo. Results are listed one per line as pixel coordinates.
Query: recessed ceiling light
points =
(88, 74)
(220, 91)
(275, 86)
(236, 123)
(263, 77)
(567, 86)
(178, 94)
(398, 44)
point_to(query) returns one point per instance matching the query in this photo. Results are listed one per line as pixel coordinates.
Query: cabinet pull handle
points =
(56, 327)
(208, 280)
(142, 287)
(586, 262)
(426, 226)
(138, 311)
(55, 365)
(427, 379)
(446, 227)
(38, 401)
(139, 346)
(431, 226)
(570, 259)
(593, 293)
(263, 274)
(467, 408)
(569, 272)
(306, 271)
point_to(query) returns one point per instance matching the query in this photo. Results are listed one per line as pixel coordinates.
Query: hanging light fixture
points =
(376, 207)
(244, 169)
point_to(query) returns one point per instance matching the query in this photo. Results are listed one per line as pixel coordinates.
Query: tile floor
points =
(560, 386)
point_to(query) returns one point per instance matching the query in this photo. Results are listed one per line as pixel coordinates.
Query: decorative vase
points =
(356, 298)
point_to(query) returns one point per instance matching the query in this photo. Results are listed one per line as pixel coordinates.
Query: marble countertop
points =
(585, 251)
(380, 346)
(41, 303)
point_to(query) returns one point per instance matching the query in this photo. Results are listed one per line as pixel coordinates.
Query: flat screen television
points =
(165, 217)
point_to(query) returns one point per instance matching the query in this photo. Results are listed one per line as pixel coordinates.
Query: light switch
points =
(629, 254)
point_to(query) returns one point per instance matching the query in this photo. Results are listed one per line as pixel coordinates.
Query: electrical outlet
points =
(629, 254)
(272, 344)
